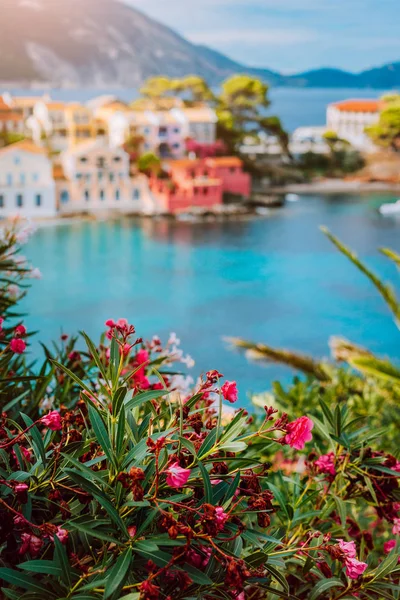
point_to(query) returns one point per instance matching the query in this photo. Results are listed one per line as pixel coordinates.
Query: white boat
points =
(292, 197)
(390, 208)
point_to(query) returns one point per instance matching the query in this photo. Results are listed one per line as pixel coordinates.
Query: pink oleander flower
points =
(348, 548)
(326, 464)
(221, 517)
(74, 356)
(396, 526)
(53, 420)
(30, 543)
(142, 357)
(1, 323)
(298, 433)
(21, 491)
(20, 330)
(354, 568)
(389, 545)
(229, 391)
(396, 467)
(177, 476)
(62, 535)
(36, 273)
(132, 531)
(17, 346)
(110, 323)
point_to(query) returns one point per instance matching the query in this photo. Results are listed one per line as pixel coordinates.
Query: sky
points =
(288, 35)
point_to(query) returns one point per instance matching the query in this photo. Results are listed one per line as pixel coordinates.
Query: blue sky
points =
(288, 35)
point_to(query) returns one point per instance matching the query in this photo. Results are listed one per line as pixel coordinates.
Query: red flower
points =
(62, 535)
(177, 476)
(21, 491)
(229, 391)
(389, 545)
(20, 330)
(30, 543)
(17, 346)
(298, 433)
(326, 464)
(354, 568)
(53, 420)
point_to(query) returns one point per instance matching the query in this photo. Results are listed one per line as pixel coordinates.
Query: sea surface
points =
(273, 279)
(296, 107)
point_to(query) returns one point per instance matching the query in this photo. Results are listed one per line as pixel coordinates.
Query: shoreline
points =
(338, 186)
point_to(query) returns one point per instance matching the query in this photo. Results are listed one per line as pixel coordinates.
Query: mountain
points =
(106, 43)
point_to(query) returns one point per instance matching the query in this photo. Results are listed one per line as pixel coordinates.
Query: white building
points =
(26, 182)
(94, 177)
(349, 118)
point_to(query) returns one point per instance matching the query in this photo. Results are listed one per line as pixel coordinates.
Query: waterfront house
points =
(26, 181)
(199, 183)
(11, 120)
(93, 177)
(349, 118)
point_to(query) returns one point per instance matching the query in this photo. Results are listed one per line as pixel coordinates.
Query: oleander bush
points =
(122, 478)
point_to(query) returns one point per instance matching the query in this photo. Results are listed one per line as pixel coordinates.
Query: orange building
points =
(199, 183)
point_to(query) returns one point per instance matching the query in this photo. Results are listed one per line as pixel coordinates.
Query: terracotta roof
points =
(362, 105)
(58, 172)
(184, 163)
(4, 105)
(224, 161)
(24, 146)
(55, 105)
(10, 116)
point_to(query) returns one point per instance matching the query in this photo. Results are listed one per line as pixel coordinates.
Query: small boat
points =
(390, 208)
(292, 197)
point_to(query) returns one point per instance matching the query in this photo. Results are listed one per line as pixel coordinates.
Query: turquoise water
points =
(275, 280)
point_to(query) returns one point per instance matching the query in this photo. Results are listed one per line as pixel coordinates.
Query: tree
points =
(241, 111)
(194, 90)
(386, 132)
(149, 163)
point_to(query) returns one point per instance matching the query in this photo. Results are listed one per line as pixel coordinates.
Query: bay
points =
(276, 280)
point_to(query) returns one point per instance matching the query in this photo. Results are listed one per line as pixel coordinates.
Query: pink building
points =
(199, 183)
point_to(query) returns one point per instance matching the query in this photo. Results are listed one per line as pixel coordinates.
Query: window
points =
(38, 200)
(64, 197)
(20, 200)
(111, 176)
(146, 130)
(101, 163)
(83, 159)
(22, 178)
(87, 195)
(233, 169)
(136, 194)
(176, 130)
(9, 179)
(102, 195)
(17, 160)
(78, 176)
(117, 159)
(35, 177)
(176, 145)
(117, 195)
(1, 201)
(162, 131)
(100, 175)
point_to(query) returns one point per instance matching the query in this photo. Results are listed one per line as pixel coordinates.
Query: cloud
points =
(254, 37)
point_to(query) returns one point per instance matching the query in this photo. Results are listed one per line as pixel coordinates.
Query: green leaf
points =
(323, 586)
(143, 397)
(208, 443)
(72, 376)
(118, 400)
(196, 575)
(36, 438)
(279, 497)
(25, 582)
(101, 433)
(386, 566)
(41, 566)
(119, 444)
(61, 560)
(278, 576)
(117, 575)
(93, 351)
(208, 492)
(94, 532)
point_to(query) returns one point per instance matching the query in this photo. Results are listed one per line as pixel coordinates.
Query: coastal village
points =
(70, 158)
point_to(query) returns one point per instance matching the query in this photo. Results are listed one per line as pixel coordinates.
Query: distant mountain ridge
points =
(106, 43)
